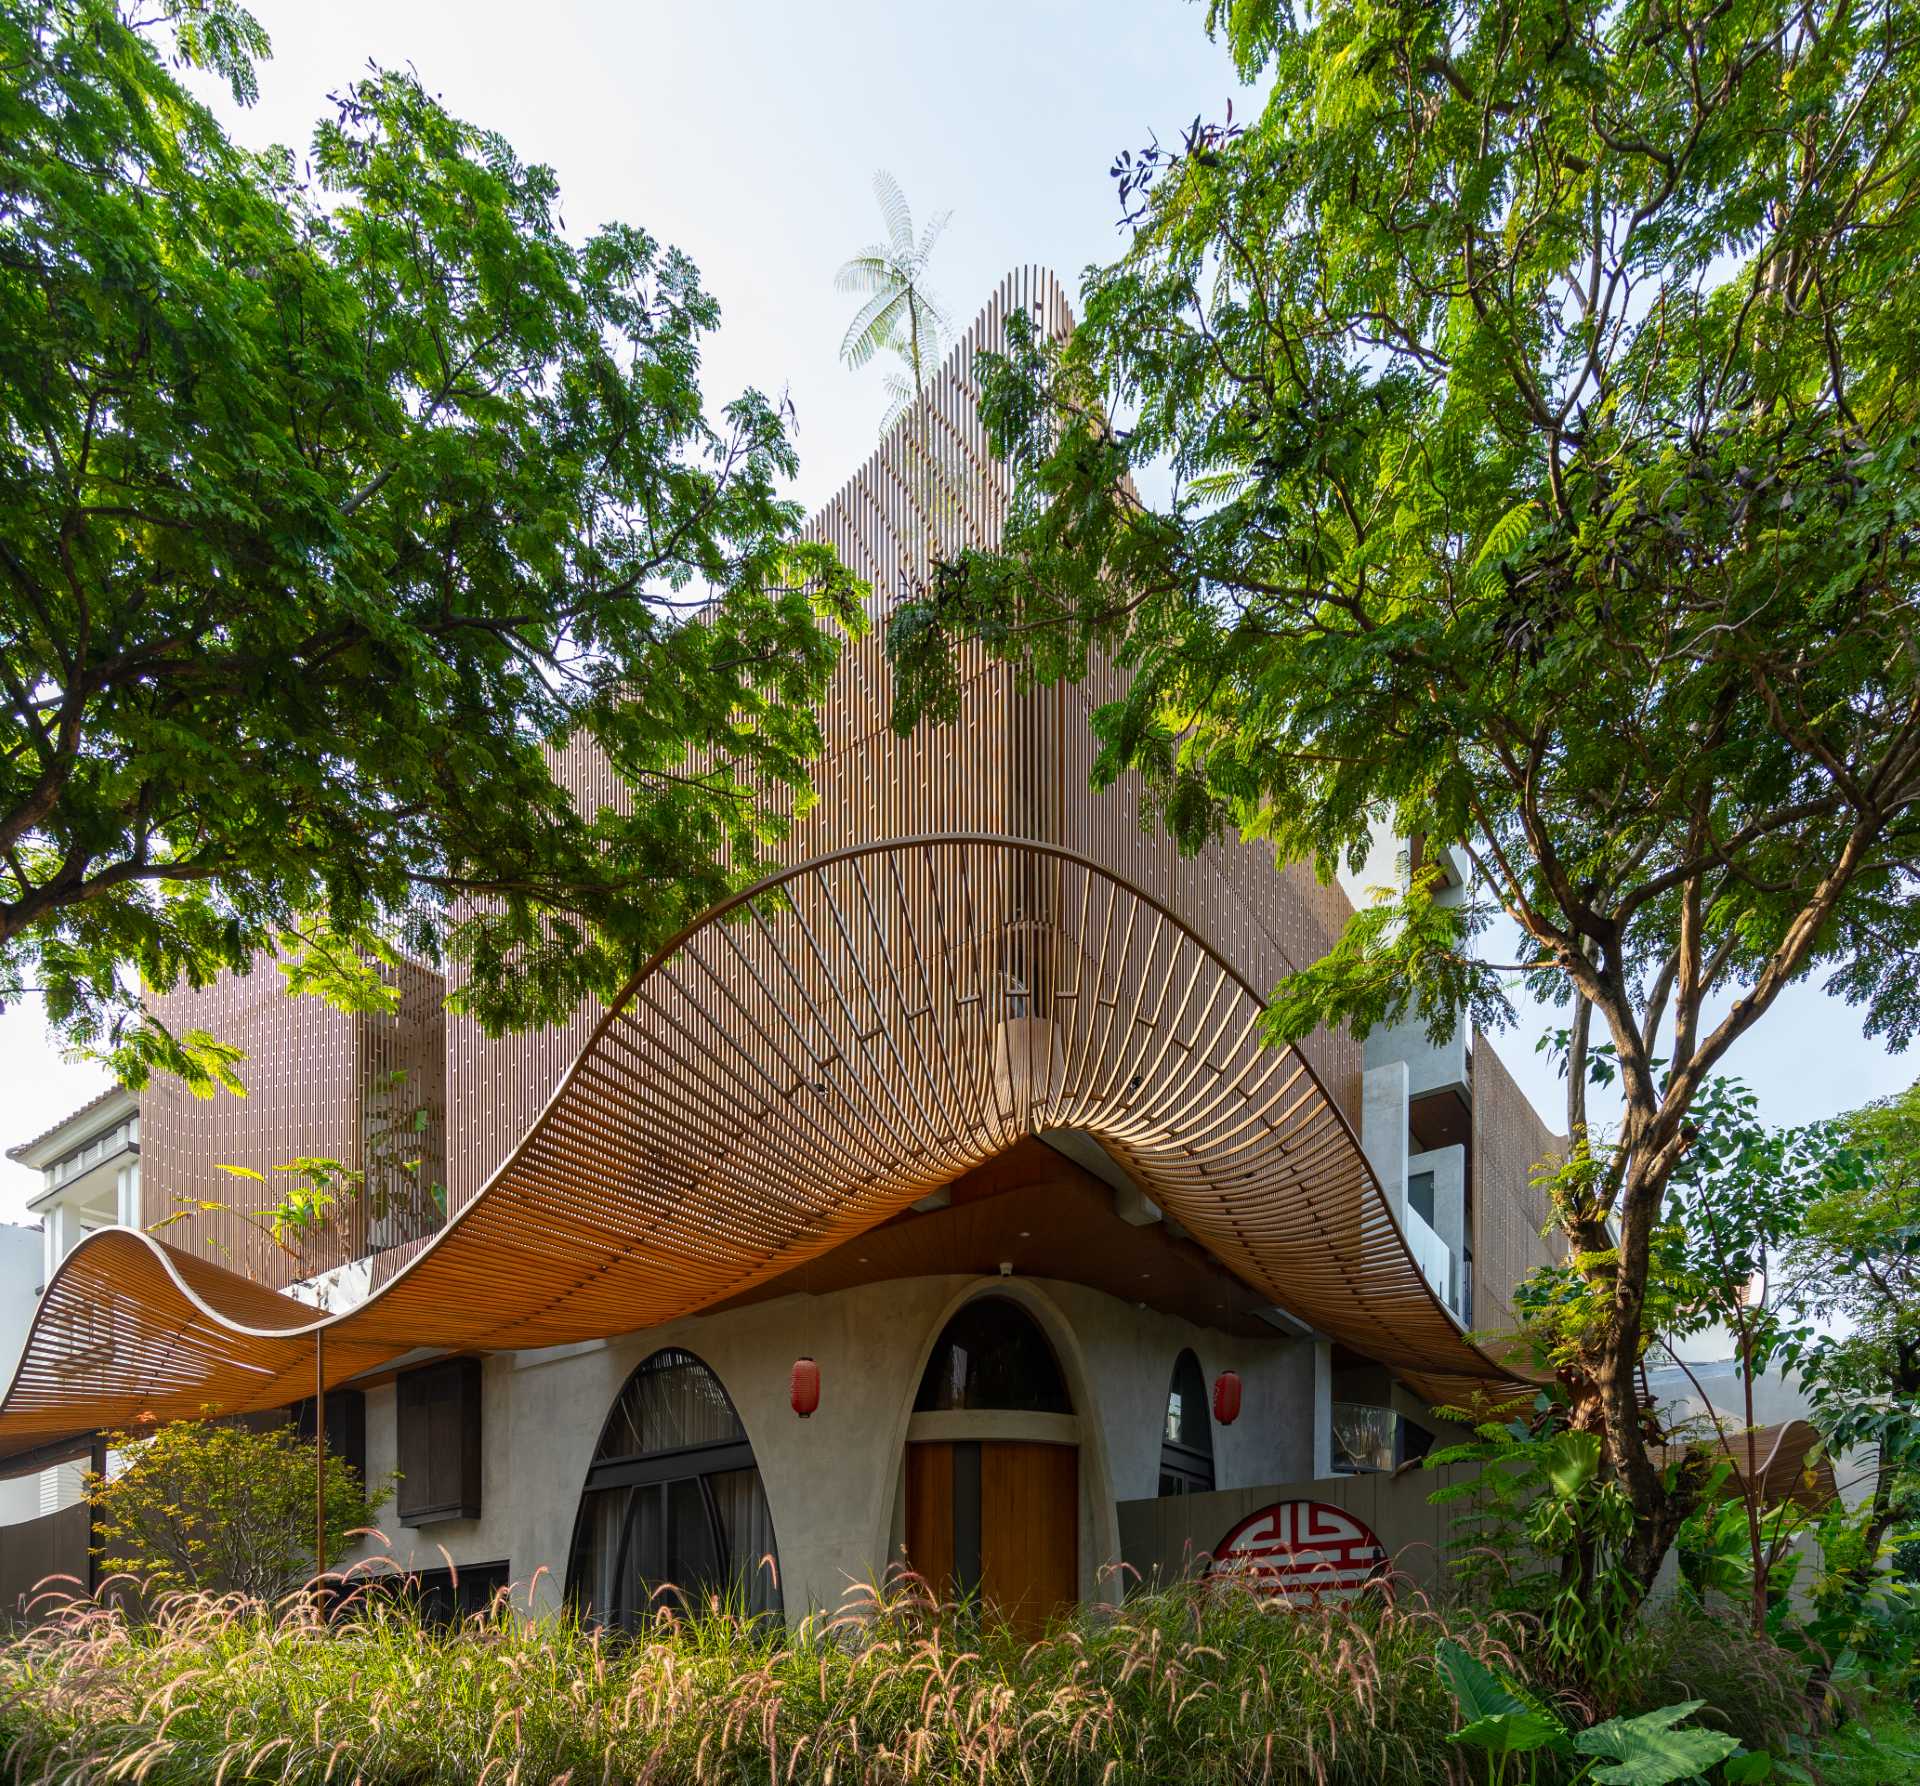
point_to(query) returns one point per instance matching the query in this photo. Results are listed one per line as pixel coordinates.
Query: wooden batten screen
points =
(1512, 1221)
(1013, 764)
(806, 1063)
(437, 1416)
(366, 1090)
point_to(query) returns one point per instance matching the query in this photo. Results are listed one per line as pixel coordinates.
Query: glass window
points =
(1363, 1438)
(1186, 1442)
(673, 1510)
(446, 1597)
(992, 1354)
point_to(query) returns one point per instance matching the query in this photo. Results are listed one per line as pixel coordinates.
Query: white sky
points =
(747, 134)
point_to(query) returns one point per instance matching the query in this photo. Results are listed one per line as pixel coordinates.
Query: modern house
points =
(940, 1200)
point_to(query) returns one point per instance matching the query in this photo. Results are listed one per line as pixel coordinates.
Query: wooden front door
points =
(1000, 1518)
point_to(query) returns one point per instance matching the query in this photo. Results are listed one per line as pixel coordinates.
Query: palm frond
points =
(934, 315)
(870, 270)
(894, 210)
(899, 391)
(935, 229)
(874, 327)
(899, 316)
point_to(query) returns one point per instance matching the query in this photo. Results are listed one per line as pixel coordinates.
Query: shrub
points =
(1754, 1688)
(214, 1506)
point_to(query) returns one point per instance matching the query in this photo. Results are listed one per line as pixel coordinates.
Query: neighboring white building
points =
(20, 1257)
(89, 1166)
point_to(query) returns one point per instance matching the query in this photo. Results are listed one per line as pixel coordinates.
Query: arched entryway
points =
(993, 1468)
(673, 1510)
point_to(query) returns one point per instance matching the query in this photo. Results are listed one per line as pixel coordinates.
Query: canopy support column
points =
(319, 1452)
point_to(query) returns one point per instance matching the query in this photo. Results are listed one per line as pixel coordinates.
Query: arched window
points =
(992, 1354)
(1186, 1444)
(673, 1498)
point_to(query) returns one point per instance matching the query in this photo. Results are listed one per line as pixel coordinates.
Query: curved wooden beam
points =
(809, 1059)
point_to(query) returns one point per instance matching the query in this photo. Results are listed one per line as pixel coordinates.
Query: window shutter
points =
(437, 1409)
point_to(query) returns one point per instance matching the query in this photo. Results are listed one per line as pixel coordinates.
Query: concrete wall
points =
(1383, 1130)
(834, 1482)
(1431, 1066)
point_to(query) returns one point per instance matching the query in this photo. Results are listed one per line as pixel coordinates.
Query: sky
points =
(748, 135)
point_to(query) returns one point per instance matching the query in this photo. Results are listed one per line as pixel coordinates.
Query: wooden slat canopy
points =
(811, 1058)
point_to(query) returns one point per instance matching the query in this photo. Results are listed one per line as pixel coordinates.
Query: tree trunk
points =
(1750, 1492)
(1608, 1401)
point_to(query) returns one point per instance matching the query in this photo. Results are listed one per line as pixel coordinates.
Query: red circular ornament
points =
(1226, 1397)
(805, 1387)
(1308, 1553)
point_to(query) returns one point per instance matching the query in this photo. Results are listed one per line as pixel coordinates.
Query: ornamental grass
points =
(1190, 1683)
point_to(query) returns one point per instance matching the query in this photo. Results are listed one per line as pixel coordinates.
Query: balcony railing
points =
(1434, 1257)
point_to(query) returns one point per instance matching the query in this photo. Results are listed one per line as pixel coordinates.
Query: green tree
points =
(1856, 1270)
(333, 507)
(213, 1506)
(1534, 385)
(1727, 1251)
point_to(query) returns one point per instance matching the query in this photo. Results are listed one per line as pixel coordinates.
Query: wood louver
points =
(809, 1060)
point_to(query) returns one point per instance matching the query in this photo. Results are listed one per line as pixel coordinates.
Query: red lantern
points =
(806, 1386)
(1226, 1397)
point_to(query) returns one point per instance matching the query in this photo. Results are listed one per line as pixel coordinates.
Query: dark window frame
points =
(1189, 1469)
(698, 1464)
(447, 1597)
(446, 1484)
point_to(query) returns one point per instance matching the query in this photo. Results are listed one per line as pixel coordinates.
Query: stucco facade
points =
(834, 1481)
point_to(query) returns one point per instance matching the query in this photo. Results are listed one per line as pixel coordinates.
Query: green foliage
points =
(1864, 1626)
(1504, 1721)
(1881, 1746)
(1755, 1688)
(1651, 1750)
(332, 506)
(1855, 1280)
(1856, 1266)
(1540, 1532)
(213, 1506)
(1501, 1717)
(1717, 1553)
(1739, 1202)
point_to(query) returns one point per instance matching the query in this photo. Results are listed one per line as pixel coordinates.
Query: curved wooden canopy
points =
(811, 1058)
